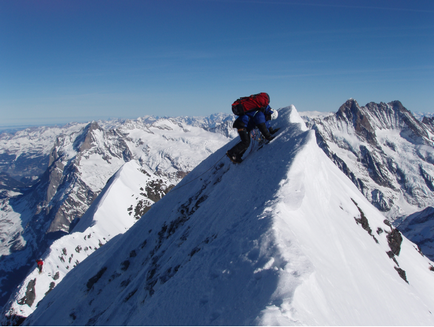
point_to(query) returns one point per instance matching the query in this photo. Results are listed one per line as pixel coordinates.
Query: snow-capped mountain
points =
(24, 155)
(123, 200)
(82, 160)
(387, 153)
(285, 238)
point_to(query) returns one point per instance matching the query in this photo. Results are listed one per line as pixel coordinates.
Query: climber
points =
(39, 263)
(247, 122)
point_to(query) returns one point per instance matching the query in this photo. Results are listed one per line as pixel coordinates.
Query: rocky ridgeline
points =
(384, 150)
(388, 154)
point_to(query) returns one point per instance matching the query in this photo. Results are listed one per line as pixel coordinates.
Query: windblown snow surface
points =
(284, 238)
(105, 219)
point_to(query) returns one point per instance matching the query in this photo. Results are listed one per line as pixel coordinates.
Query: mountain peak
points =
(397, 105)
(351, 113)
(284, 238)
(84, 142)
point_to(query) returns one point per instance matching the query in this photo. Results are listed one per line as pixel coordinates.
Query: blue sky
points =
(74, 60)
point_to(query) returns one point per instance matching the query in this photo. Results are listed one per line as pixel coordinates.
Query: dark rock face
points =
(394, 238)
(153, 192)
(412, 128)
(86, 140)
(351, 114)
(363, 221)
(29, 298)
(429, 121)
(375, 167)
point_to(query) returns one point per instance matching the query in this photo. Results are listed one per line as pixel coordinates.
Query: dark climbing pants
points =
(242, 146)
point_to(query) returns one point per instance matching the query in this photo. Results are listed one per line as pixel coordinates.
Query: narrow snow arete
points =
(285, 238)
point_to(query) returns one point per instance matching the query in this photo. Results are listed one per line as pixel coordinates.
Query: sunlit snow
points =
(284, 238)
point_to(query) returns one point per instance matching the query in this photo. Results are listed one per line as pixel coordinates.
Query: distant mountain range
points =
(284, 238)
(79, 160)
(388, 154)
(58, 184)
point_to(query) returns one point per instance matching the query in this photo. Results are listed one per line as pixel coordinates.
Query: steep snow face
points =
(80, 163)
(389, 155)
(285, 238)
(111, 213)
(385, 151)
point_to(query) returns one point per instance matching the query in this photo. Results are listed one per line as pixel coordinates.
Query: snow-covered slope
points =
(385, 150)
(285, 238)
(389, 156)
(81, 161)
(111, 213)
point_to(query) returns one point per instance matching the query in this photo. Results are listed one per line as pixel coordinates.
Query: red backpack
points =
(254, 102)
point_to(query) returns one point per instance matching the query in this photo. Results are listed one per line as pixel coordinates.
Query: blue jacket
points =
(252, 119)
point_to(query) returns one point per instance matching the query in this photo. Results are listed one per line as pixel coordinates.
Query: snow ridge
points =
(389, 156)
(385, 151)
(106, 218)
(285, 238)
(84, 157)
